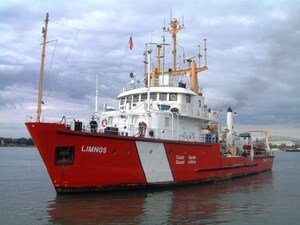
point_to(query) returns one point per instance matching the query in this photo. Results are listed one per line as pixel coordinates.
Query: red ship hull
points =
(84, 161)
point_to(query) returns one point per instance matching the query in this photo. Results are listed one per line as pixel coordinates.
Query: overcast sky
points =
(253, 56)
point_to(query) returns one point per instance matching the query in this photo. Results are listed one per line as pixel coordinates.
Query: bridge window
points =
(153, 96)
(122, 101)
(143, 97)
(188, 98)
(129, 99)
(163, 96)
(136, 98)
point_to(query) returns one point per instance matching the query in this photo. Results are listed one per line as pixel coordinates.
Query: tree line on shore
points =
(4, 142)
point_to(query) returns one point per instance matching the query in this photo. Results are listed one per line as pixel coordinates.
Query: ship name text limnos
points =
(93, 149)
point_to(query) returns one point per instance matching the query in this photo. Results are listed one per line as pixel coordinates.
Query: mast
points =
(193, 68)
(40, 95)
(159, 46)
(163, 62)
(175, 28)
(149, 71)
(205, 49)
(199, 56)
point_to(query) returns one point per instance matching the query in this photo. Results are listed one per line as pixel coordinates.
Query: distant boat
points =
(293, 150)
(160, 135)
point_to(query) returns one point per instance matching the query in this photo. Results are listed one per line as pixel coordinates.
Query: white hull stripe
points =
(154, 161)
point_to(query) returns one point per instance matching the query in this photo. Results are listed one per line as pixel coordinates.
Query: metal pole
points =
(40, 95)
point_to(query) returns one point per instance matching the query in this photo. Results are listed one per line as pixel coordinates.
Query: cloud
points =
(253, 49)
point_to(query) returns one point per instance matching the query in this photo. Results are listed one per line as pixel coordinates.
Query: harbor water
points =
(28, 197)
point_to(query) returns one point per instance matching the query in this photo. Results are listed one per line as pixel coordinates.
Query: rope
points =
(47, 75)
(105, 31)
(63, 64)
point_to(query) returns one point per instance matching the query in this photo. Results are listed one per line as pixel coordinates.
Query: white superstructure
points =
(167, 108)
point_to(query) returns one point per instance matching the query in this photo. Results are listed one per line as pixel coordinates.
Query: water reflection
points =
(198, 204)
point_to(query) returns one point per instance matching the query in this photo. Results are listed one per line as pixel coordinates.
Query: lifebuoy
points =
(215, 114)
(104, 122)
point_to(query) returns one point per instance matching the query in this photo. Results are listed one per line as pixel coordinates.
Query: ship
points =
(161, 135)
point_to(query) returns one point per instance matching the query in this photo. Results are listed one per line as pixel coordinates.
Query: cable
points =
(63, 64)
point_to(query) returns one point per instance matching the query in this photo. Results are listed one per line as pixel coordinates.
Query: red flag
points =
(130, 43)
